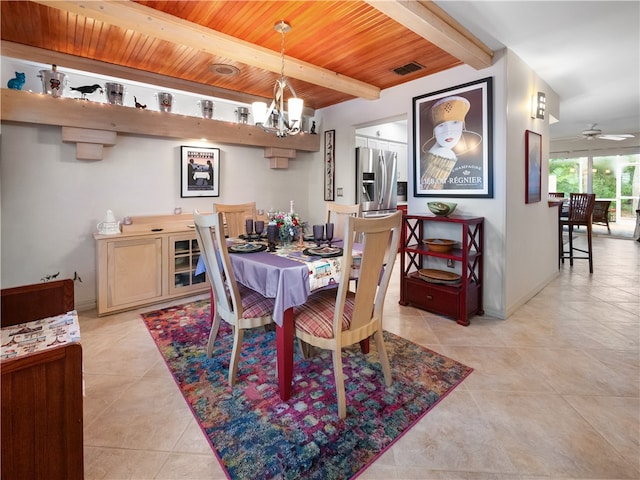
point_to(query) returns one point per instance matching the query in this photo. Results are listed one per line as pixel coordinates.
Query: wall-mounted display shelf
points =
(28, 107)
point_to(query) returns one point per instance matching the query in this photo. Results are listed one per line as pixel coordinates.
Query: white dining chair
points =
(336, 318)
(234, 303)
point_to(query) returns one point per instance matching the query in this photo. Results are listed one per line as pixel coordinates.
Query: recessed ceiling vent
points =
(408, 68)
(223, 69)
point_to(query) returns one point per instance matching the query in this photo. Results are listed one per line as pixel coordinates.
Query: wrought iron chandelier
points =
(274, 119)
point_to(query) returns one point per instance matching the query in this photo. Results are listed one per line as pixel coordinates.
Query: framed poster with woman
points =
(452, 141)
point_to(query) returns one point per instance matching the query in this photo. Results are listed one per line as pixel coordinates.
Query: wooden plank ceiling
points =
(336, 50)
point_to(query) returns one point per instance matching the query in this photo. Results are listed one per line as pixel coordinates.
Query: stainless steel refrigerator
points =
(376, 187)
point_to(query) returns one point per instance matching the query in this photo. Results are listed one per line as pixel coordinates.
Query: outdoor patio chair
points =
(601, 213)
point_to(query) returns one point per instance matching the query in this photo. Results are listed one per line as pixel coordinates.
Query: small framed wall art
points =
(200, 172)
(533, 166)
(329, 165)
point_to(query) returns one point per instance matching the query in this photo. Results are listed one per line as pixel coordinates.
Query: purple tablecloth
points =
(274, 276)
(280, 277)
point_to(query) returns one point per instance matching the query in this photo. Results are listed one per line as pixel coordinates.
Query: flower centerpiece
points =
(289, 225)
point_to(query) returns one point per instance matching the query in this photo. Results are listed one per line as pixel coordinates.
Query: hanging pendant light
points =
(283, 124)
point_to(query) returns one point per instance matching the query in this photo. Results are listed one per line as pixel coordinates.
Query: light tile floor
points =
(555, 393)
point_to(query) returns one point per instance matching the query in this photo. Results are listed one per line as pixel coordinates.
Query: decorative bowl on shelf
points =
(439, 276)
(442, 209)
(440, 245)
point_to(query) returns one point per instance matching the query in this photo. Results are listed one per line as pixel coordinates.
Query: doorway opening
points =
(390, 135)
(610, 177)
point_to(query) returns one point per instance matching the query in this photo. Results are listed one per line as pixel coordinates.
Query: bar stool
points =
(580, 213)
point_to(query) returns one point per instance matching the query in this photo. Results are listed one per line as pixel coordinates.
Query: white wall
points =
(51, 202)
(531, 246)
(502, 266)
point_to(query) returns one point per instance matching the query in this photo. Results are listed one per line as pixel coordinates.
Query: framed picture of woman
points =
(452, 141)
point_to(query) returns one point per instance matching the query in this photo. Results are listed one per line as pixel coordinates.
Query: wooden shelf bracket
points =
(279, 157)
(89, 143)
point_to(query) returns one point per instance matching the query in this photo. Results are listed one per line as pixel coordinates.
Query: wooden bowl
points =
(440, 245)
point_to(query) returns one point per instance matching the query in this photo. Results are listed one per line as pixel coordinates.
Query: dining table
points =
(288, 275)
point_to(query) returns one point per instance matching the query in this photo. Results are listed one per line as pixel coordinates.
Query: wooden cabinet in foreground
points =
(154, 259)
(41, 395)
(447, 283)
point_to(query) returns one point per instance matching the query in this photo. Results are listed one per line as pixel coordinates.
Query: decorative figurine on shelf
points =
(88, 89)
(18, 82)
(139, 105)
(313, 128)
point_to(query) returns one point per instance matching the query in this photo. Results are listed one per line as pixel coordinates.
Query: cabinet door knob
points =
(429, 297)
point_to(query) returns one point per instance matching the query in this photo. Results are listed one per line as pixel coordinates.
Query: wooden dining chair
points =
(336, 318)
(235, 216)
(234, 303)
(337, 214)
(580, 214)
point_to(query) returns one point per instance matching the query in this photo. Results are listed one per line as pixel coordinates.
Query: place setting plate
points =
(325, 251)
(433, 275)
(247, 248)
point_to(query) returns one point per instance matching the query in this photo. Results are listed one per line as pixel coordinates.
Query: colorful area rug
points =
(257, 436)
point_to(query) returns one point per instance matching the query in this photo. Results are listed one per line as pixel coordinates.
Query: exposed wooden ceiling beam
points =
(157, 24)
(429, 21)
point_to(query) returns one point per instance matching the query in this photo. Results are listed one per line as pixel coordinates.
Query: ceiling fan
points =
(592, 133)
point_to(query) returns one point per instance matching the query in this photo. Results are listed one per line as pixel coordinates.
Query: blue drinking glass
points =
(318, 234)
(329, 227)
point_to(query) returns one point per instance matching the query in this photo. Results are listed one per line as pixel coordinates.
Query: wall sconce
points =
(538, 105)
